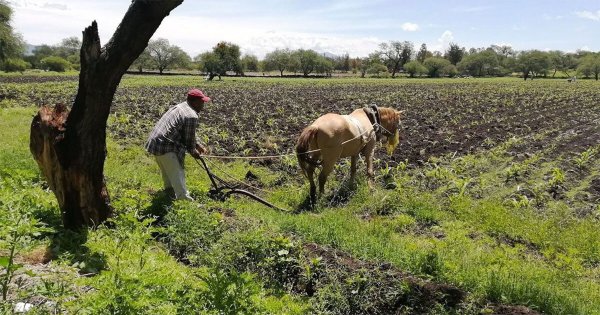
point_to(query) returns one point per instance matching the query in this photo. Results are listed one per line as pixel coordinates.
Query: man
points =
(173, 135)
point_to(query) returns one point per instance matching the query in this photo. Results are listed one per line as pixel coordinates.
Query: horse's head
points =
(390, 121)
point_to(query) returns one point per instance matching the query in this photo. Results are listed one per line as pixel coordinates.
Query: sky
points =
(338, 27)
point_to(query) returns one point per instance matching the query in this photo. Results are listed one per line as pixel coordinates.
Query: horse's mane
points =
(388, 114)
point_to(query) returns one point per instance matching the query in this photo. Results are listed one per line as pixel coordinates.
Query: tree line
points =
(389, 60)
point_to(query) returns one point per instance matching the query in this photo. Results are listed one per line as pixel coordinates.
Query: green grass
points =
(454, 220)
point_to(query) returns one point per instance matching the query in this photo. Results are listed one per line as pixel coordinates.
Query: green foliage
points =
(306, 60)
(435, 66)
(378, 70)
(415, 68)
(480, 63)
(250, 63)
(590, 66)
(14, 65)
(223, 57)
(232, 293)
(454, 54)
(279, 59)
(143, 61)
(395, 54)
(533, 62)
(19, 227)
(190, 231)
(586, 157)
(423, 53)
(55, 63)
(455, 219)
(164, 55)
(11, 43)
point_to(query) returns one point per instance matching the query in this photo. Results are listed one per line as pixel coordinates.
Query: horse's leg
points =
(353, 162)
(369, 151)
(310, 173)
(325, 170)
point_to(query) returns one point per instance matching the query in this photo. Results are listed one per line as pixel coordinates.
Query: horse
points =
(333, 136)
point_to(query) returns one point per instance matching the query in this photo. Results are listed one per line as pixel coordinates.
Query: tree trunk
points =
(70, 147)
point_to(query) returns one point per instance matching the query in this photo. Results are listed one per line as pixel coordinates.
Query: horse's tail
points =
(308, 134)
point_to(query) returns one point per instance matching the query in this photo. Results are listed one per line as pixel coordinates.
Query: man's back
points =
(174, 132)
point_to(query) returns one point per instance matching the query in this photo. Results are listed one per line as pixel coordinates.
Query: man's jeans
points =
(173, 174)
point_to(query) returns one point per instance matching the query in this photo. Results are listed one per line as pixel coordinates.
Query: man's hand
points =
(201, 149)
(196, 154)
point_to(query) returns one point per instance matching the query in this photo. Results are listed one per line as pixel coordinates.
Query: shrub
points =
(14, 65)
(378, 70)
(54, 63)
(415, 68)
(191, 231)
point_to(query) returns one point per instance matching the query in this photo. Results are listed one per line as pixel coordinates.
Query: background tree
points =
(395, 54)
(250, 63)
(532, 63)
(506, 56)
(70, 146)
(324, 65)
(39, 53)
(68, 46)
(307, 60)
(454, 54)
(414, 68)
(378, 70)
(563, 62)
(423, 53)
(55, 63)
(368, 62)
(144, 61)
(210, 63)
(435, 66)
(341, 63)
(480, 63)
(166, 56)
(11, 43)
(278, 60)
(590, 65)
(68, 49)
(355, 64)
(229, 55)
(15, 65)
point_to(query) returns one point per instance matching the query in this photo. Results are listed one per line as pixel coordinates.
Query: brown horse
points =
(334, 136)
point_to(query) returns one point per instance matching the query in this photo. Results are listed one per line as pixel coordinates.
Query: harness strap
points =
(373, 114)
(361, 130)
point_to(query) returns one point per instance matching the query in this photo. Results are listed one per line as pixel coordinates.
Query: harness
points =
(373, 114)
(361, 130)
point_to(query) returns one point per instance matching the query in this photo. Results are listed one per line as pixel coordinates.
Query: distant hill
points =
(29, 49)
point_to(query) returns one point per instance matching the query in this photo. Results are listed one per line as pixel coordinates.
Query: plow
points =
(221, 189)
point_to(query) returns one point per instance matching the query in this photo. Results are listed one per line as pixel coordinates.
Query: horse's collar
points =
(372, 112)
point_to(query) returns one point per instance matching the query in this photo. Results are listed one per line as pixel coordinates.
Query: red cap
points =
(195, 93)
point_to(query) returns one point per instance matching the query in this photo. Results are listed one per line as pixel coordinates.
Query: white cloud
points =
(442, 42)
(589, 15)
(410, 27)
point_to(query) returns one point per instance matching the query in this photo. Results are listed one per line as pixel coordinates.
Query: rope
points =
(262, 157)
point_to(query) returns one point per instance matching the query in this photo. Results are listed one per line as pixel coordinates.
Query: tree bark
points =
(70, 146)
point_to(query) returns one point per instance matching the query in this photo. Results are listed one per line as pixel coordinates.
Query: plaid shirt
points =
(174, 132)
